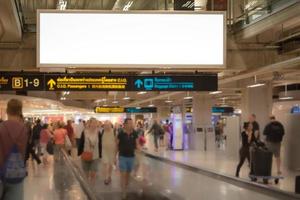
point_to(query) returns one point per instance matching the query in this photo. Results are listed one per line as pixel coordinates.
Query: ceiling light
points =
(286, 98)
(168, 101)
(126, 98)
(127, 6)
(187, 96)
(142, 92)
(256, 85)
(216, 92)
(138, 107)
(105, 105)
(115, 102)
(151, 105)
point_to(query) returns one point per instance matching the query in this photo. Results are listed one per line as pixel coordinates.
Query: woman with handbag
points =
(90, 147)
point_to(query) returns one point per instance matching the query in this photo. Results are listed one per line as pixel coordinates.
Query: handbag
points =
(50, 147)
(88, 155)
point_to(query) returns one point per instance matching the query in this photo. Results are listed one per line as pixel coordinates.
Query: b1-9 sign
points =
(21, 81)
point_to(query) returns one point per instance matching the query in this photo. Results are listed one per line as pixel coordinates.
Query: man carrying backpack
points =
(13, 140)
(274, 132)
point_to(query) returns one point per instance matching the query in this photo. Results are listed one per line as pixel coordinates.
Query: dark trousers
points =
(31, 151)
(244, 154)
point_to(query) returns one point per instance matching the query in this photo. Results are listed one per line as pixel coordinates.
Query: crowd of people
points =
(112, 144)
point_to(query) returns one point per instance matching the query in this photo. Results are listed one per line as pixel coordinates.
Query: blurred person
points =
(247, 139)
(171, 135)
(157, 131)
(219, 133)
(117, 128)
(30, 150)
(90, 149)
(78, 129)
(36, 131)
(70, 133)
(59, 136)
(274, 132)
(255, 125)
(166, 128)
(127, 143)
(13, 141)
(109, 150)
(140, 129)
(44, 139)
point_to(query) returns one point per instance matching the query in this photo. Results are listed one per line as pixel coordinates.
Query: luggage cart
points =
(266, 179)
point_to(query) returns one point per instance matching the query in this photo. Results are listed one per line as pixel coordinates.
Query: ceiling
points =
(232, 81)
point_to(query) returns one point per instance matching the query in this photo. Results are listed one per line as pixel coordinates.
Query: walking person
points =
(90, 149)
(59, 136)
(109, 150)
(30, 150)
(78, 129)
(157, 131)
(36, 131)
(44, 139)
(13, 141)
(70, 133)
(274, 132)
(247, 139)
(127, 143)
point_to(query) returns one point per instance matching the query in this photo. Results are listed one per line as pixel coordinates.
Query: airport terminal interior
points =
(186, 99)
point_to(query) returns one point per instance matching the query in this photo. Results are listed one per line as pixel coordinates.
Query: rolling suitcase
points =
(261, 161)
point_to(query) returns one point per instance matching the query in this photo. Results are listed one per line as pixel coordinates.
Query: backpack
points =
(13, 170)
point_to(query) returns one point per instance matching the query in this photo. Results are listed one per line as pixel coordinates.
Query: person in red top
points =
(12, 133)
(59, 136)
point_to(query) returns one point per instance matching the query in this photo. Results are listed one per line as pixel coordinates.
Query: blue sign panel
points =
(222, 109)
(201, 82)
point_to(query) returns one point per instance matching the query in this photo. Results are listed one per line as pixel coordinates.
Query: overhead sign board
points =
(222, 110)
(125, 110)
(135, 39)
(100, 82)
(21, 81)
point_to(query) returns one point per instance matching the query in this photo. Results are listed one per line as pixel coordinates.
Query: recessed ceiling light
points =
(168, 101)
(151, 105)
(142, 92)
(187, 97)
(286, 98)
(216, 92)
(256, 85)
(114, 102)
(126, 98)
(138, 107)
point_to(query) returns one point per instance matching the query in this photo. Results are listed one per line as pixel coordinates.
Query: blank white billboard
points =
(130, 39)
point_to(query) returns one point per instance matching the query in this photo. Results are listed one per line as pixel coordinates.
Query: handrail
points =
(80, 177)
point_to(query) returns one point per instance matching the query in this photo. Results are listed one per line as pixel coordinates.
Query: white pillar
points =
(257, 101)
(202, 104)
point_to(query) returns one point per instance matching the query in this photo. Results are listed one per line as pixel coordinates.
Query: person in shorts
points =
(274, 132)
(127, 142)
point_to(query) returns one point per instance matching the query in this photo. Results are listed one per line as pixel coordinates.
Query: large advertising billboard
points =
(137, 39)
